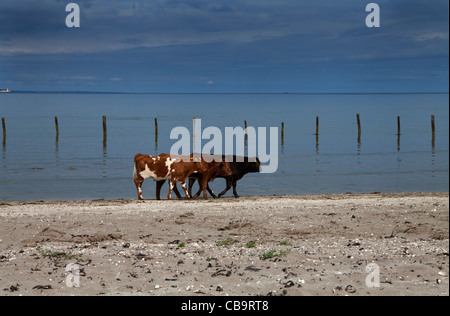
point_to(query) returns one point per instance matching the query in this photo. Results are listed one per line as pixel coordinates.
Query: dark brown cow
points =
(176, 169)
(238, 171)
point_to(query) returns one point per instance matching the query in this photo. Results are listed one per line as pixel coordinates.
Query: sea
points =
(78, 163)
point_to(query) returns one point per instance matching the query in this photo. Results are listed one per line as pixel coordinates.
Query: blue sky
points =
(211, 46)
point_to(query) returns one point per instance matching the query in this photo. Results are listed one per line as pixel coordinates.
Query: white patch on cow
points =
(185, 189)
(147, 173)
(169, 163)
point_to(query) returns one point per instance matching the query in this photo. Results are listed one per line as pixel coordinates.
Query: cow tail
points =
(134, 171)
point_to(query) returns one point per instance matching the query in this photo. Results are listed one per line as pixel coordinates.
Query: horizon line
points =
(212, 93)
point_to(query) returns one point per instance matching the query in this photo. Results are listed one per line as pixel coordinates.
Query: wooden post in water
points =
(194, 137)
(246, 135)
(433, 124)
(282, 132)
(358, 118)
(4, 132)
(4, 127)
(105, 133)
(317, 134)
(433, 131)
(317, 125)
(399, 133)
(57, 129)
(156, 135)
(57, 126)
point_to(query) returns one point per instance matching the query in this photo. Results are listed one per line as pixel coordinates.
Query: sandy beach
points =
(280, 245)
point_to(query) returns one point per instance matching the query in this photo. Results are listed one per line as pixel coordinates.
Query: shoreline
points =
(273, 245)
(200, 199)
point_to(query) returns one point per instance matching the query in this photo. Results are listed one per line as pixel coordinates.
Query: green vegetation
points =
(273, 254)
(251, 244)
(227, 242)
(57, 256)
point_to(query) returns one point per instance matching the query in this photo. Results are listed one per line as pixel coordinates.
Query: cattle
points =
(176, 169)
(238, 171)
(216, 166)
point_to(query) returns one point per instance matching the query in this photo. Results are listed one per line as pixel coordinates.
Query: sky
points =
(225, 46)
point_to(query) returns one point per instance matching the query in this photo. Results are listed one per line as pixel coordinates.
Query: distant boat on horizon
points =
(5, 90)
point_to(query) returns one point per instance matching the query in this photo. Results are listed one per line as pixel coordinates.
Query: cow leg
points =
(190, 188)
(175, 189)
(203, 182)
(159, 185)
(204, 185)
(184, 186)
(195, 197)
(236, 195)
(199, 190)
(211, 192)
(191, 184)
(138, 182)
(200, 183)
(229, 184)
(172, 184)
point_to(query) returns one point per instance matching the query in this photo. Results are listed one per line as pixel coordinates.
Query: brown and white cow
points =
(176, 169)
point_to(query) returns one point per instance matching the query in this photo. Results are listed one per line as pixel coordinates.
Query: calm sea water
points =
(35, 165)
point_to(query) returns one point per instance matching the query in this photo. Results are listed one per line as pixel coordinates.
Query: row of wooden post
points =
(358, 119)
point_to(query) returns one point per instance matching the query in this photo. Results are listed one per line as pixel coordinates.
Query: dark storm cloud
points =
(245, 44)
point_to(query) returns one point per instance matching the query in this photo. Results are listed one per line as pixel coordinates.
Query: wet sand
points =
(280, 245)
